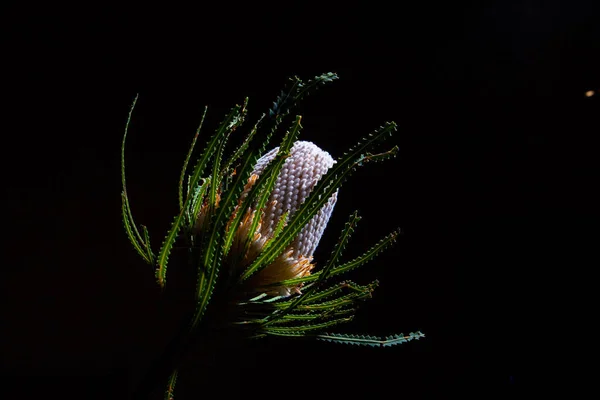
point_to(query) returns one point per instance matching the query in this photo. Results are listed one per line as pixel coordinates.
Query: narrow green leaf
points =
(130, 234)
(311, 316)
(165, 250)
(280, 330)
(357, 262)
(343, 286)
(169, 241)
(282, 105)
(209, 151)
(246, 170)
(147, 244)
(130, 226)
(187, 159)
(278, 229)
(206, 284)
(336, 303)
(344, 238)
(170, 392)
(298, 90)
(239, 152)
(314, 84)
(213, 252)
(223, 132)
(372, 341)
(197, 199)
(291, 96)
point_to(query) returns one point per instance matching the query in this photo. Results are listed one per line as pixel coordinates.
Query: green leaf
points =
(130, 227)
(130, 234)
(207, 280)
(278, 229)
(299, 330)
(170, 392)
(289, 98)
(147, 244)
(327, 293)
(197, 200)
(213, 253)
(357, 262)
(187, 159)
(165, 250)
(311, 316)
(209, 152)
(342, 301)
(372, 341)
(238, 187)
(241, 150)
(343, 239)
(231, 122)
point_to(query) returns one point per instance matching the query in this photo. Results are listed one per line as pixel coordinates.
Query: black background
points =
(493, 187)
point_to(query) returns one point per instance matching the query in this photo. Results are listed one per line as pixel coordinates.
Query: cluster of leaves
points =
(212, 189)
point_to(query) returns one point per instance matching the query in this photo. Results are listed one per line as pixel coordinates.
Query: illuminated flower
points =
(300, 173)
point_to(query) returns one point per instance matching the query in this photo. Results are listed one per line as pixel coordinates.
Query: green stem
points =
(158, 374)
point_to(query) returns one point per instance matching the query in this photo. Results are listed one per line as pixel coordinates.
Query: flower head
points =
(301, 171)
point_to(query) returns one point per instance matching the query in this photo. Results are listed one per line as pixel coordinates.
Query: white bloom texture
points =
(301, 171)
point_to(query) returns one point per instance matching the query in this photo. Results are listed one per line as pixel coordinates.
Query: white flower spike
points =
(301, 171)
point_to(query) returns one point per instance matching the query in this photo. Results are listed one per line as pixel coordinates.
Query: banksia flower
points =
(251, 221)
(299, 174)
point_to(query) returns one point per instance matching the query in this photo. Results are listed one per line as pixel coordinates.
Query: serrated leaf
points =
(311, 316)
(280, 330)
(225, 128)
(208, 153)
(170, 392)
(334, 304)
(278, 229)
(197, 199)
(206, 285)
(147, 244)
(130, 234)
(357, 262)
(246, 170)
(288, 98)
(165, 251)
(291, 96)
(187, 159)
(241, 150)
(327, 293)
(130, 227)
(372, 341)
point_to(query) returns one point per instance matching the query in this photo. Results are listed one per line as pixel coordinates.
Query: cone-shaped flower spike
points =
(300, 173)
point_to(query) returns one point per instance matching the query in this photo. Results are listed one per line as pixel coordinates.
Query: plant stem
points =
(158, 374)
